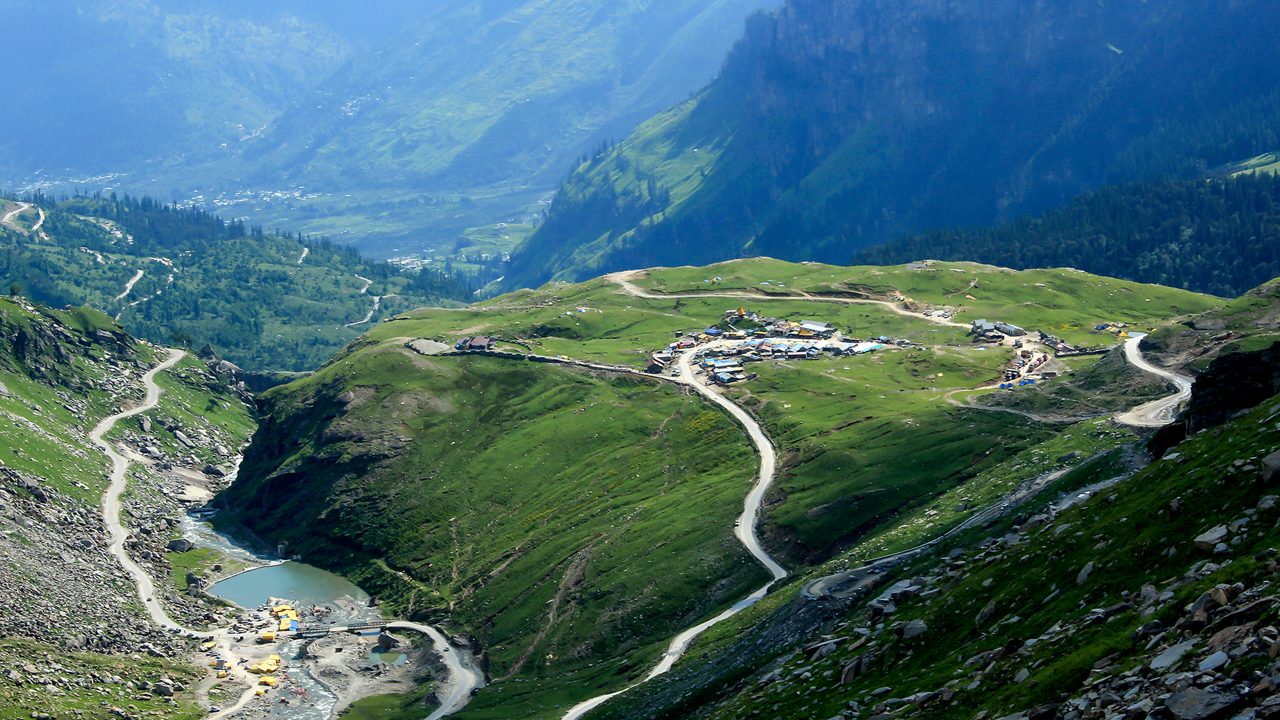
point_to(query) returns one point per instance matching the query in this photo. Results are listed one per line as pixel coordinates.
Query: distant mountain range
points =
(834, 126)
(401, 120)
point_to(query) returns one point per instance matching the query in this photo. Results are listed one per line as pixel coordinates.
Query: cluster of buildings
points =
(995, 331)
(1025, 364)
(773, 327)
(724, 363)
(725, 352)
(474, 344)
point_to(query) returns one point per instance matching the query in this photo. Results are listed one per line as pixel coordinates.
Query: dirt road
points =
(1156, 413)
(463, 678)
(8, 219)
(745, 529)
(377, 303)
(128, 287)
(625, 280)
(119, 479)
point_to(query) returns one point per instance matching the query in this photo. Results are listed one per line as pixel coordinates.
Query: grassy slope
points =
(1086, 452)
(46, 441)
(866, 438)
(1064, 302)
(1247, 323)
(619, 328)
(833, 417)
(1126, 533)
(830, 421)
(561, 517)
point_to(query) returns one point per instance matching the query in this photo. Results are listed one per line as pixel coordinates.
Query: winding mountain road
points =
(463, 678)
(1156, 413)
(625, 280)
(377, 303)
(111, 503)
(111, 508)
(128, 287)
(744, 530)
(8, 218)
(454, 693)
(1159, 412)
(1153, 414)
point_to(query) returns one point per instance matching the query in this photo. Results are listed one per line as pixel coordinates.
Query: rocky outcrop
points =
(1232, 385)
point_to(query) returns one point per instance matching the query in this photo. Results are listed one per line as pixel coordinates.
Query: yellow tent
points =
(268, 681)
(266, 667)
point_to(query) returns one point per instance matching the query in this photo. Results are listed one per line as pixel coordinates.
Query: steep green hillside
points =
(1150, 595)
(1215, 237)
(563, 518)
(835, 126)
(471, 116)
(182, 276)
(486, 93)
(74, 640)
(1065, 302)
(411, 467)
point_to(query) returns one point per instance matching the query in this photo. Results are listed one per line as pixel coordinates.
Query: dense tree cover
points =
(247, 292)
(1217, 236)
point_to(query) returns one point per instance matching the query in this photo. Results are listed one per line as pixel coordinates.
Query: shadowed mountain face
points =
(837, 125)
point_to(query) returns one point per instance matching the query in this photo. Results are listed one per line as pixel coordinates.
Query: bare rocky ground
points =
(71, 626)
(58, 583)
(1220, 658)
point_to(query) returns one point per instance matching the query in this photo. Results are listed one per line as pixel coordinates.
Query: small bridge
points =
(314, 633)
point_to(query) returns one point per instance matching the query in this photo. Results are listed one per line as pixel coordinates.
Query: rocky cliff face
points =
(834, 125)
